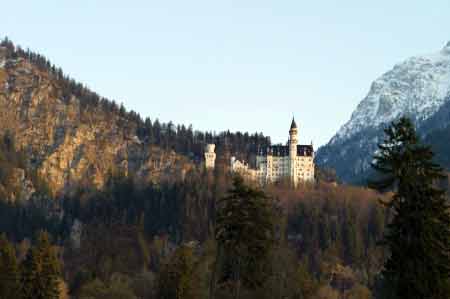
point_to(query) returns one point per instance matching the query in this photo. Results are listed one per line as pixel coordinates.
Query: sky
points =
(247, 65)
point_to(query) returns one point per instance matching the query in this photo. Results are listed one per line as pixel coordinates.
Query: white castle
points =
(292, 161)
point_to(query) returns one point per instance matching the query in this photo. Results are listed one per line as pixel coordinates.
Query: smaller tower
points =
(293, 139)
(210, 156)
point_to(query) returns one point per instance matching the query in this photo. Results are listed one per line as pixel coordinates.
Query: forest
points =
(134, 238)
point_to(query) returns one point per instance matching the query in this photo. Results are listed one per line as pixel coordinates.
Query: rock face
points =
(68, 143)
(418, 87)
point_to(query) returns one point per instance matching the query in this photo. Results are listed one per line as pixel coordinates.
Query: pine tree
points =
(245, 229)
(176, 280)
(418, 237)
(9, 272)
(50, 273)
(40, 271)
(31, 268)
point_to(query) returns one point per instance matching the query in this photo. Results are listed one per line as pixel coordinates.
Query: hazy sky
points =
(238, 65)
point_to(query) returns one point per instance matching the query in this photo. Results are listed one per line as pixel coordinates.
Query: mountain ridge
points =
(73, 137)
(418, 87)
(425, 77)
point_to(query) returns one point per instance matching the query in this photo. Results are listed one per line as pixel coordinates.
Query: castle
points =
(292, 161)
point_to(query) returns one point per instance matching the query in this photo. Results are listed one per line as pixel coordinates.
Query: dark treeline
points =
(21, 220)
(131, 236)
(183, 139)
(181, 209)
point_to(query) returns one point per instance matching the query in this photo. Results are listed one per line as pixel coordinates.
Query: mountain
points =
(419, 88)
(70, 137)
(67, 140)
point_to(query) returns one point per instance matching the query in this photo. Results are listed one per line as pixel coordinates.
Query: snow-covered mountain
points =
(418, 87)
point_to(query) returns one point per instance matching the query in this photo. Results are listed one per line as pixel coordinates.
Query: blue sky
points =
(238, 65)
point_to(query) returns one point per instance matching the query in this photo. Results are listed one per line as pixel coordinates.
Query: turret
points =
(210, 156)
(293, 139)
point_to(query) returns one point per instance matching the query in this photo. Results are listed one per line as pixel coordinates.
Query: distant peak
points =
(446, 49)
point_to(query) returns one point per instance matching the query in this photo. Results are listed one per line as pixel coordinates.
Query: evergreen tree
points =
(31, 268)
(50, 273)
(9, 272)
(176, 279)
(245, 229)
(418, 236)
(40, 271)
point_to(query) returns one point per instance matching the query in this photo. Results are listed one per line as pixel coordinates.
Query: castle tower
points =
(293, 141)
(210, 156)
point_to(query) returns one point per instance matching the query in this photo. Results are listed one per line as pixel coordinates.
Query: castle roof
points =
(283, 150)
(293, 124)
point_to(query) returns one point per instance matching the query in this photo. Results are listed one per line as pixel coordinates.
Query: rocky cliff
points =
(68, 142)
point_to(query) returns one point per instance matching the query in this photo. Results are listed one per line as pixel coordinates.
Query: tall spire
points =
(293, 124)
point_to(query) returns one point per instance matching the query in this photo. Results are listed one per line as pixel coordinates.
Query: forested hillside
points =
(132, 212)
(122, 240)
